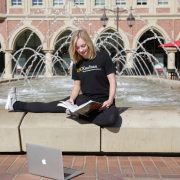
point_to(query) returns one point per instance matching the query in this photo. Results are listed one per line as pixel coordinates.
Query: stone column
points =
(171, 58)
(129, 59)
(8, 65)
(48, 64)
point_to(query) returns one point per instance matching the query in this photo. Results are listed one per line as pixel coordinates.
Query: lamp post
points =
(130, 18)
(130, 22)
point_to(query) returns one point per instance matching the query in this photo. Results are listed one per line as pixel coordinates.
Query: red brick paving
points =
(105, 167)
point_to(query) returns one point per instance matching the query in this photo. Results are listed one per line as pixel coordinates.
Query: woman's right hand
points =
(71, 100)
(75, 91)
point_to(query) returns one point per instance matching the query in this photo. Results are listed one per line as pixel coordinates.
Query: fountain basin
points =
(139, 130)
(149, 118)
(131, 91)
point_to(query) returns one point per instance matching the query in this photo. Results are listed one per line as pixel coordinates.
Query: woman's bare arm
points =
(75, 91)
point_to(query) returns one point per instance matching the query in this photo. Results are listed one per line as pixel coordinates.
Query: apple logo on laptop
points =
(44, 161)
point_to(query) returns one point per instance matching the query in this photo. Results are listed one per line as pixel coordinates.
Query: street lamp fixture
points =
(130, 18)
(104, 18)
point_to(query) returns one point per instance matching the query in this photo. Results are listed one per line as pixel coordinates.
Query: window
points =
(58, 2)
(120, 2)
(79, 2)
(162, 2)
(141, 2)
(16, 2)
(37, 2)
(99, 2)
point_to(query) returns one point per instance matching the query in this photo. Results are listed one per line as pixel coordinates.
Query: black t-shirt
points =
(93, 76)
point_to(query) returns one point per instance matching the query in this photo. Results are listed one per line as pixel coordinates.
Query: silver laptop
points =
(48, 162)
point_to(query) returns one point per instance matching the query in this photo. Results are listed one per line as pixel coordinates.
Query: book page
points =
(83, 108)
(88, 107)
(68, 105)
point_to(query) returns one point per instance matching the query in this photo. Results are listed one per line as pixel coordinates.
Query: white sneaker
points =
(12, 98)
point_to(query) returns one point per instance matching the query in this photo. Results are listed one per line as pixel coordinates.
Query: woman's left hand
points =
(112, 90)
(107, 104)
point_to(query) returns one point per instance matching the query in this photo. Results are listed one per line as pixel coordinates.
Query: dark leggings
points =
(107, 117)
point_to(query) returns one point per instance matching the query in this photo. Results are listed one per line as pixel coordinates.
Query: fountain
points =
(140, 83)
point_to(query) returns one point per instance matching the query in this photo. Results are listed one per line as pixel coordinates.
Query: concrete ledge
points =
(144, 130)
(9, 131)
(55, 130)
(139, 130)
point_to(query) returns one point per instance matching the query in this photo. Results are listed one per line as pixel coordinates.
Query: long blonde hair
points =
(74, 55)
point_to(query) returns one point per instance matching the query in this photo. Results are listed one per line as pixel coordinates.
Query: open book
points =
(83, 109)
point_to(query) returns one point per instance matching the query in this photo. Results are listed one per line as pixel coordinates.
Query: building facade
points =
(34, 34)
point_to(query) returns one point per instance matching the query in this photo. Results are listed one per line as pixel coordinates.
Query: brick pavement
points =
(14, 166)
